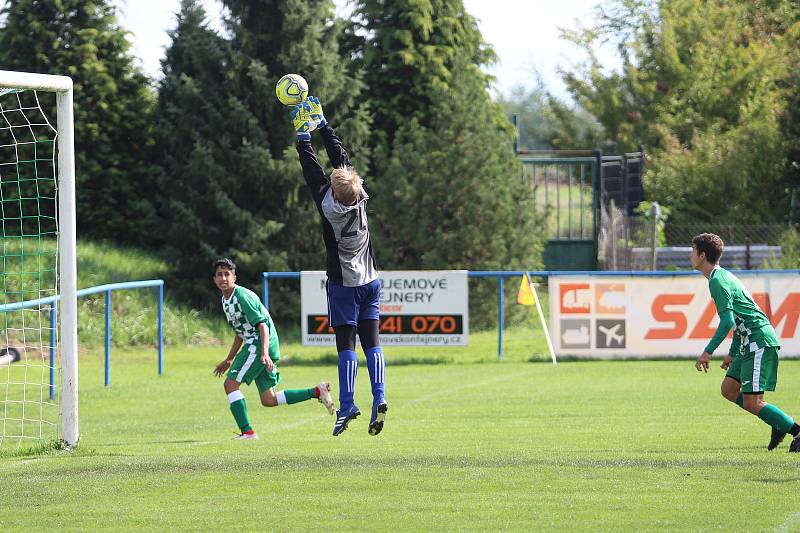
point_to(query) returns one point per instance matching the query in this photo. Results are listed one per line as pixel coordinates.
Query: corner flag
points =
(527, 296)
(525, 293)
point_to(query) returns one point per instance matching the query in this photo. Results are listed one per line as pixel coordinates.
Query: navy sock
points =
(348, 368)
(377, 371)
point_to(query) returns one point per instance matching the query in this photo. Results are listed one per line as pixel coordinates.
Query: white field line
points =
(792, 523)
(471, 385)
(14, 464)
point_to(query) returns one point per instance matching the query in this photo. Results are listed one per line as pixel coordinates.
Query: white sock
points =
(281, 397)
(235, 396)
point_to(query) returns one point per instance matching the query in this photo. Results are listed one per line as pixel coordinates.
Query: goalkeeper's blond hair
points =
(346, 184)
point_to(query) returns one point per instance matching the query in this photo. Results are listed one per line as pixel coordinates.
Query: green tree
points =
(704, 85)
(194, 144)
(452, 196)
(446, 187)
(409, 51)
(787, 20)
(113, 104)
(232, 182)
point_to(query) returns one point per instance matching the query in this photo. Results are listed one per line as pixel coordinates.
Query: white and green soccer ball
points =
(291, 89)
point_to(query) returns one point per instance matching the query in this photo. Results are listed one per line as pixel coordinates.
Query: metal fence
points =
(736, 257)
(636, 242)
(48, 304)
(768, 234)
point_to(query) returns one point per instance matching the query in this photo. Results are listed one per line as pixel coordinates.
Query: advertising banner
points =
(418, 308)
(658, 316)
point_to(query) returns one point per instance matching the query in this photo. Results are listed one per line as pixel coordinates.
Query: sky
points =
(524, 34)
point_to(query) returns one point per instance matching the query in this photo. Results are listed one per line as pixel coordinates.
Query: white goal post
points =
(66, 279)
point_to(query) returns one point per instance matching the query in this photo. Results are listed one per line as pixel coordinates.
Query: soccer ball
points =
(291, 89)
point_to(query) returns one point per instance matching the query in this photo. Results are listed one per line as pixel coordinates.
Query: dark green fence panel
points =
(565, 191)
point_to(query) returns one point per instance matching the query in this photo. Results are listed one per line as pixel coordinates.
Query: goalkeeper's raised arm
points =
(313, 173)
(333, 145)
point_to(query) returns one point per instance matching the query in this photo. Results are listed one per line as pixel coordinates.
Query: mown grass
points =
(582, 446)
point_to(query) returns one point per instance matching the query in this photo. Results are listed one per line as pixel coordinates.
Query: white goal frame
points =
(68, 271)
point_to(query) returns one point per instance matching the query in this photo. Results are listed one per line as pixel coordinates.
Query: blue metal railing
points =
(501, 275)
(108, 288)
(265, 283)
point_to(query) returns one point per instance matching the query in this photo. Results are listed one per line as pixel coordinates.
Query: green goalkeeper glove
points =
(302, 120)
(316, 111)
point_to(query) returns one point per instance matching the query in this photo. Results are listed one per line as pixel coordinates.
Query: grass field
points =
(581, 446)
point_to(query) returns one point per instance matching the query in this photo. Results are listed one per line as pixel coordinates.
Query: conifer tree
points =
(409, 50)
(452, 196)
(232, 181)
(113, 130)
(448, 189)
(193, 138)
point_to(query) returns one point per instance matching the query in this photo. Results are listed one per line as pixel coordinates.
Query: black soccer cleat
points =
(343, 417)
(379, 416)
(776, 439)
(795, 445)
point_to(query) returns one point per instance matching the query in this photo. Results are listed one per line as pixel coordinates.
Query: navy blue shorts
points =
(347, 306)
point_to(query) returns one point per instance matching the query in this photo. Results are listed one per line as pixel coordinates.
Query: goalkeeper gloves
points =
(316, 111)
(302, 120)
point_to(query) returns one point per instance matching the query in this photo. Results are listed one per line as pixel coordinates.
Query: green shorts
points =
(755, 368)
(247, 367)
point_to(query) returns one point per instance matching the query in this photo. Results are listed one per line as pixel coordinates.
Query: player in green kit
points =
(254, 353)
(752, 361)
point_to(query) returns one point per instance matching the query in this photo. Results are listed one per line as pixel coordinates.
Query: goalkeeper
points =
(254, 352)
(353, 286)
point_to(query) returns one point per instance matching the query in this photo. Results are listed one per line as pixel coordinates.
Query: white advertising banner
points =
(605, 316)
(418, 308)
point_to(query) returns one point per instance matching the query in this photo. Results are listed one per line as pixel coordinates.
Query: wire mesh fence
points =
(732, 234)
(646, 242)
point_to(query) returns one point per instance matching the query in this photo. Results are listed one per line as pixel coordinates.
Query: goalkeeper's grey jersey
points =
(350, 228)
(349, 259)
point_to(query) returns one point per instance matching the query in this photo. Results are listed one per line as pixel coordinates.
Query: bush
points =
(790, 251)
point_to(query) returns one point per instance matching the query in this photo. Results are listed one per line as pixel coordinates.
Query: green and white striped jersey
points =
(244, 312)
(751, 324)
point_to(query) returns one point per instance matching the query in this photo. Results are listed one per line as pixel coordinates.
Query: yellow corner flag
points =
(525, 294)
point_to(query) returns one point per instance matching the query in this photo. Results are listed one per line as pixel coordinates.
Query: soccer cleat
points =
(378, 417)
(247, 435)
(795, 445)
(343, 417)
(325, 399)
(776, 439)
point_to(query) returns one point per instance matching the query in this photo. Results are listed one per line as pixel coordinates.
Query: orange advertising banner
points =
(660, 316)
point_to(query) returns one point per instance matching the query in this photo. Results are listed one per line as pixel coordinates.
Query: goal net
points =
(38, 340)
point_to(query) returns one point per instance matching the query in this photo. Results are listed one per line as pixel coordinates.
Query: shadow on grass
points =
(152, 442)
(124, 465)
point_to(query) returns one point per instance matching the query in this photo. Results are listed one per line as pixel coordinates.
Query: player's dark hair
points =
(709, 244)
(225, 263)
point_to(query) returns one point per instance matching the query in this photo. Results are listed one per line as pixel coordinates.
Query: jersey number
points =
(351, 220)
